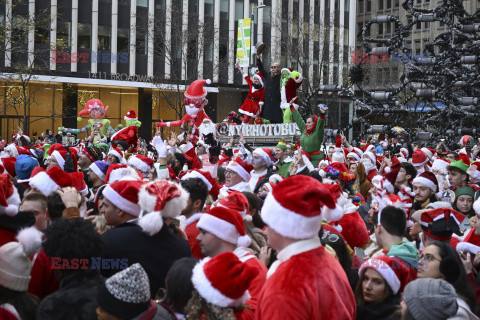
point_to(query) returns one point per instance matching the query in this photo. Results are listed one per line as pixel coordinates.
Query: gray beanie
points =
(430, 299)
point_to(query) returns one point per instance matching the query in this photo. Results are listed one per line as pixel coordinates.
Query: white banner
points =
(263, 130)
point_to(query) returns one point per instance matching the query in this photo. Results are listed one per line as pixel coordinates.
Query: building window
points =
(84, 35)
(389, 4)
(124, 2)
(208, 8)
(160, 4)
(141, 42)
(345, 36)
(209, 51)
(104, 38)
(396, 3)
(347, 5)
(238, 10)
(267, 14)
(380, 4)
(224, 9)
(122, 39)
(369, 6)
(360, 6)
(64, 35)
(142, 3)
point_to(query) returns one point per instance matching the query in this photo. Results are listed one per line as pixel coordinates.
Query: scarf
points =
(309, 131)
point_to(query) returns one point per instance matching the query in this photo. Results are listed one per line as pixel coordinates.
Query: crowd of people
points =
(187, 228)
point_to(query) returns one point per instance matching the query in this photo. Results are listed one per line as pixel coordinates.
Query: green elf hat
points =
(464, 191)
(282, 145)
(462, 164)
(103, 145)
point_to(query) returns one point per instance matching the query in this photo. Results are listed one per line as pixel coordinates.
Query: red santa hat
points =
(338, 154)
(78, 182)
(440, 223)
(265, 154)
(160, 199)
(8, 164)
(47, 182)
(237, 201)
(117, 153)
(141, 163)
(356, 153)
(131, 115)
(124, 195)
(196, 91)
(428, 179)
(294, 208)
(223, 280)
(259, 77)
(128, 134)
(391, 173)
(9, 197)
(205, 176)
(370, 156)
(117, 172)
(395, 275)
(404, 152)
(429, 152)
(419, 158)
(226, 224)
(241, 167)
(441, 166)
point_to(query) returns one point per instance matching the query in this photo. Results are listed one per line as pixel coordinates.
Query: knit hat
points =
(237, 201)
(50, 181)
(223, 280)
(294, 207)
(160, 199)
(126, 294)
(100, 168)
(389, 268)
(440, 165)
(78, 182)
(131, 115)
(9, 165)
(461, 164)
(141, 163)
(428, 179)
(196, 91)
(9, 197)
(281, 145)
(419, 158)
(15, 264)
(117, 172)
(265, 154)
(241, 167)
(429, 298)
(124, 195)
(205, 176)
(118, 154)
(464, 191)
(93, 153)
(24, 166)
(439, 224)
(226, 224)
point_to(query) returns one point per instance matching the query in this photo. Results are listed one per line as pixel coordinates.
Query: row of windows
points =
(366, 6)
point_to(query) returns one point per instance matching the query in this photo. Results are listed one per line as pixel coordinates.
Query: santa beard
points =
(367, 163)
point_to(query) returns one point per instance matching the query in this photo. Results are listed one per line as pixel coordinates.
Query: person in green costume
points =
(312, 132)
(284, 161)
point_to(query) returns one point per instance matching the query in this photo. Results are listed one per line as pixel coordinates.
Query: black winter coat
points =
(384, 310)
(155, 253)
(271, 109)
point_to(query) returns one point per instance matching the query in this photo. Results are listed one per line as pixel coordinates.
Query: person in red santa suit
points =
(252, 106)
(306, 282)
(369, 161)
(194, 103)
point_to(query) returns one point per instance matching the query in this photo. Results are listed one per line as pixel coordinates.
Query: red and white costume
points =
(251, 107)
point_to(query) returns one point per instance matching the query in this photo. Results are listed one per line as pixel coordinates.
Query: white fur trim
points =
(151, 223)
(171, 209)
(195, 174)
(332, 214)
(235, 167)
(218, 227)
(256, 76)
(300, 79)
(12, 150)
(429, 183)
(116, 154)
(247, 113)
(13, 204)
(476, 206)
(59, 158)
(208, 81)
(122, 173)
(427, 152)
(187, 147)
(384, 269)
(338, 155)
(97, 171)
(138, 164)
(440, 166)
(44, 183)
(307, 162)
(210, 293)
(288, 223)
(420, 163)
(120, 202)
(353, 154)
(387, 169)
(31, 240)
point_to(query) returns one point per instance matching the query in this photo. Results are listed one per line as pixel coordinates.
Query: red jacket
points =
(192, 232)
(309, 285)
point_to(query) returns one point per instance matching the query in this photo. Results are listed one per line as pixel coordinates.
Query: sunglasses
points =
(330, 237)
(274, 67)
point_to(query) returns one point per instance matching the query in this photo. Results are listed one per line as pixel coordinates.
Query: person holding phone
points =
(312, 132)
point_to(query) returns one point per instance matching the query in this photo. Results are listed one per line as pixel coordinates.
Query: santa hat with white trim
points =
(429, 152)
(226, 224)
(205, 176)
(117, 172)
(419, 158)
(265, 154)
(356, 153)
(8, 164)
(78, 182)
(394, 274)
(428, 179)
(124, 195)
(339, 154)
(259, 77)
(131, 115)
(294, 207)
(370, 156)
(440, 223)
(100, 168)
(223, 280)
(117, 153)
(237, 201)
(47, 182)
(441, 166)
(9, 197)
(404, 153)
(160, 199)
(240, 167)
(141, 163)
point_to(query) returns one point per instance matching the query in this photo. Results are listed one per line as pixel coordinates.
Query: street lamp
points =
(259, 6)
